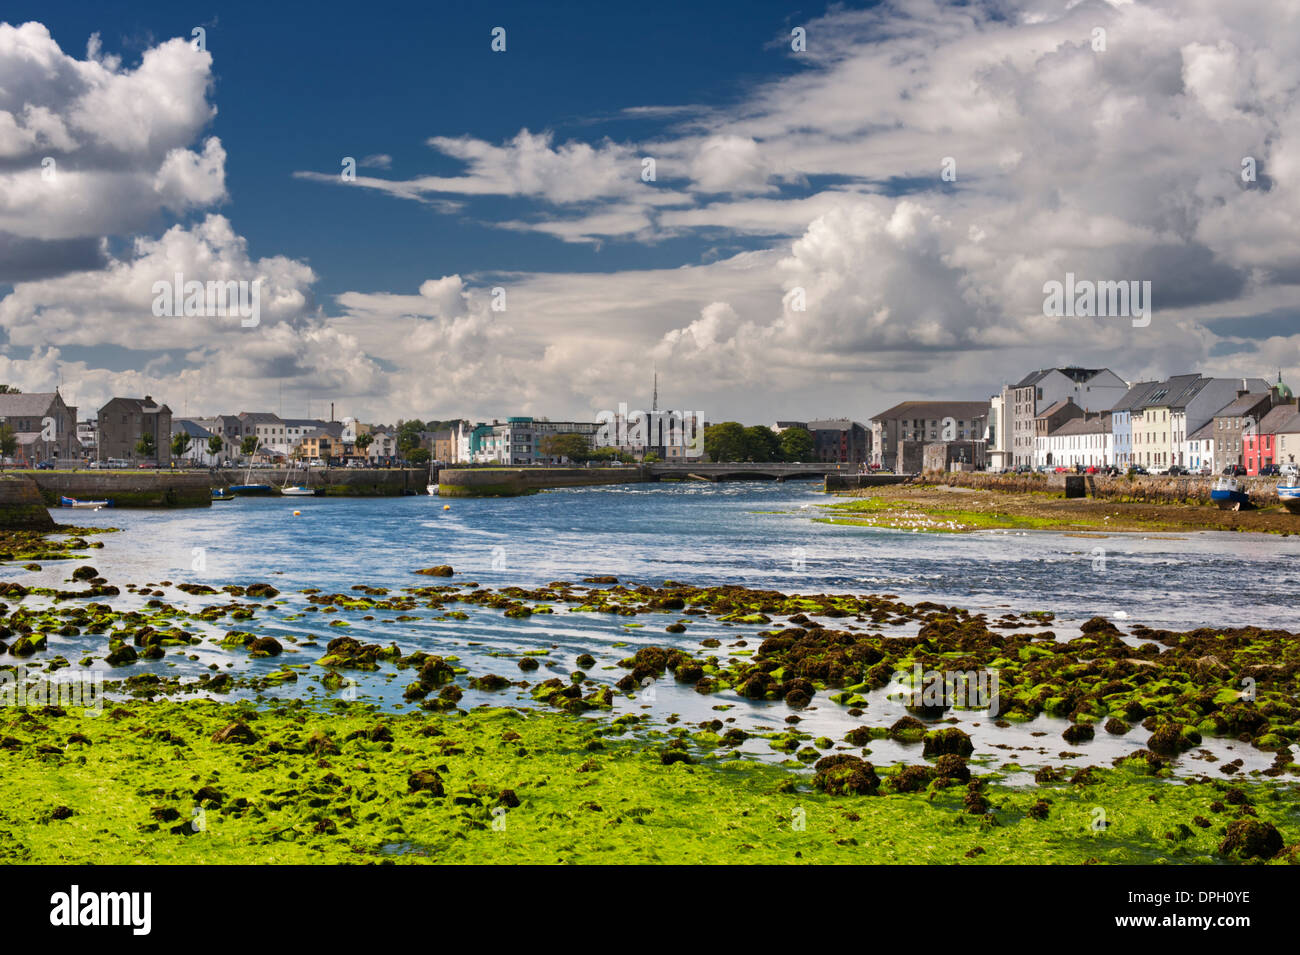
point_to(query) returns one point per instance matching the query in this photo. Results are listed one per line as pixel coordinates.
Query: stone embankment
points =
(511, 482)
(21, 505)
(1146, 489)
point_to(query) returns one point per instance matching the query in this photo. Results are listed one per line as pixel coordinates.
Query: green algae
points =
(149, 782)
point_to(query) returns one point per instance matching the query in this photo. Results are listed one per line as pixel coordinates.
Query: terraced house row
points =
(1091, 417)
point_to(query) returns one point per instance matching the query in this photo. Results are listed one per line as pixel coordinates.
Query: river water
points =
(755, 534)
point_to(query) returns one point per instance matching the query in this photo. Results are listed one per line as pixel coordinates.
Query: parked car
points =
(1270, 470)
(1176, 469)
(1137, 469)
(1235, 470)
(44, 466)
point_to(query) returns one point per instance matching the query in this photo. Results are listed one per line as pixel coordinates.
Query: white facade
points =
(1080, 442)
(1198, 449)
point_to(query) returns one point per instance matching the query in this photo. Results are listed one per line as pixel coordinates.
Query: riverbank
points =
(955, 508)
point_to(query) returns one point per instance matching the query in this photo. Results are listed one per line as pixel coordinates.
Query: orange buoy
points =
(297, 513)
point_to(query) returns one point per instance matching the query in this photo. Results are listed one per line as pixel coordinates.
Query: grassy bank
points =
(940, 508)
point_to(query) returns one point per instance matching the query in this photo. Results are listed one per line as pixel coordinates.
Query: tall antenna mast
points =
(654, 400)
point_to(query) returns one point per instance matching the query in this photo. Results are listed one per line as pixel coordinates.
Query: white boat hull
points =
(432, 489)
(298, 491)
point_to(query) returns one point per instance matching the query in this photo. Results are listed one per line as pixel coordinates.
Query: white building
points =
(1198, 449)
(383, 445)
(1085, 442)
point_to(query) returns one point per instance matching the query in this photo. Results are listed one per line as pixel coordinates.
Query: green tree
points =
(8, 440)
(215, 444)
(418, 456)
(725, 441)
(796, 444)
(248, 446)
(145, 446)
(364, 441)
(761, 444)
(408, 437)
(569, 445)
(180, 443)
(10, 390)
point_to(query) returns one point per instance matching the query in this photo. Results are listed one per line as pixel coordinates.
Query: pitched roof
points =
(259, 417)
(145, 405)
(1168, 393)
(1058, 406)
(935, 409)
(1095, 425)
(1244, 405)
(26, 405)
(1073, 372)
(1134, 397)
(190, 427)
(832, 424)
(1203, 433)
(1284, 419)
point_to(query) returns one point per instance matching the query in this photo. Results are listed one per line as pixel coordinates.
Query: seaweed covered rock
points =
(1170, 739)
(845, 775)
(912, 779)
(1077, 733)
(442, 570)
(425, 781)
(952, 766)
(947, 741)
(265, 647)
(1251, 839)
(237, 732)
(907, 729)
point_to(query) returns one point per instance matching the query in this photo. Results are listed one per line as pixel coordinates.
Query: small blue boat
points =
(1288, 492)
(75, 502)
(222, 494)
(1227, 493)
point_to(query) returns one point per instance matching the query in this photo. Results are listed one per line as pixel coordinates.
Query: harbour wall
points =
(511, 482)
(1145, 489)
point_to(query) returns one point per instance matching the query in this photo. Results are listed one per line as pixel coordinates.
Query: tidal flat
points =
(251, 721)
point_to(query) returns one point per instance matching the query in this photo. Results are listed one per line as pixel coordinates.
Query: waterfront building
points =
(1121, 421)
(1199, 448)
(995, 432)
(1231, 422)
(1261, 446)
(197, 452)
(1089, 389)
(1046, 423)
(840, 440)
(45, 426)
(1081, 441)
(123, 423)
(517, 440)
(899, 434)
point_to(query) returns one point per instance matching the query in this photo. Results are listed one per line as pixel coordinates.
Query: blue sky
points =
(298, 91)
(830, 230)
